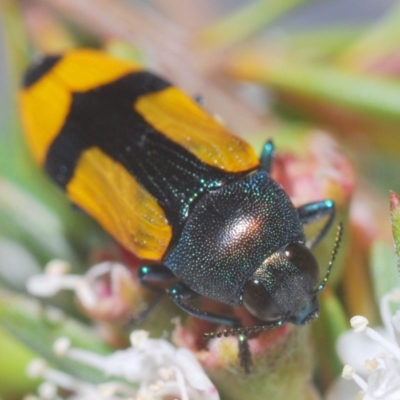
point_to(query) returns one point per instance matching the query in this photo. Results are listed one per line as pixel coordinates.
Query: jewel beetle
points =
(174, 187)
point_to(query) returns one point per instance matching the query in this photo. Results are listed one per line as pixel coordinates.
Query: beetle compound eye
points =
(259, 302)
(302, 258)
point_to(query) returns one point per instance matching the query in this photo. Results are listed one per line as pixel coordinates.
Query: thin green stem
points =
(245, 22)
(395, 218)
(378, 40)
(364, 94)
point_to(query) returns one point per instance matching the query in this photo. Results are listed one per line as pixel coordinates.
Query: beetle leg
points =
(157, 274)
(180, 294)
(155, 278)
(267, 156)
(312, 212)
(244, 353)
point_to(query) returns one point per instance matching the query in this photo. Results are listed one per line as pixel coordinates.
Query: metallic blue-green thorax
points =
(229, 234)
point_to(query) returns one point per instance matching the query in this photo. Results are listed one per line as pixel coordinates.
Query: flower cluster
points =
(375, 356)
(107, 291)
(150, 369)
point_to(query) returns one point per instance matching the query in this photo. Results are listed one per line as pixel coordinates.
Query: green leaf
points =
(395, 217)
(27, 221)
(14, 357)
(17, 264)
(383, 269)
(26, 321)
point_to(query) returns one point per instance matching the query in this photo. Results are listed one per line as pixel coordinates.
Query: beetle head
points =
(283, 287)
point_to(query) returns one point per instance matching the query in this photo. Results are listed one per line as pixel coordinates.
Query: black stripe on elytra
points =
(39, 68)
(104, 117)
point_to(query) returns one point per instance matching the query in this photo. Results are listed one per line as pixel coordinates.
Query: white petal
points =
(342, 389)
(396, 326)
(386, 344)
(44, 286)
(98, 270)
(49, 285)
(86, 294)
(194, 373)
(353, 348)
(384, 384)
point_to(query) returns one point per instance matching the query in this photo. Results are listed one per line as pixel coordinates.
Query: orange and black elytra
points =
(174, 186)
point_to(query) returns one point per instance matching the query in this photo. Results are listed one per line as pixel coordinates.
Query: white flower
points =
(374, 356)
(107, 291)
(149, 369)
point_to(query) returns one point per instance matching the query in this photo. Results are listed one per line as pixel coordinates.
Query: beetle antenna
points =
(243, 330)
(338, 239)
